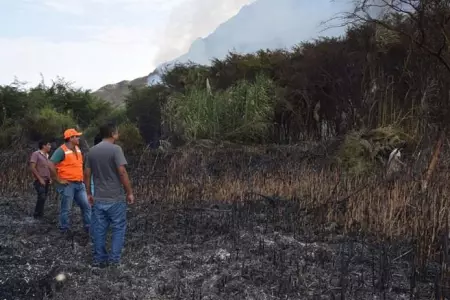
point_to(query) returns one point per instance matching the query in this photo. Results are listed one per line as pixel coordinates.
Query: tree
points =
(143, 106)
(424, 22)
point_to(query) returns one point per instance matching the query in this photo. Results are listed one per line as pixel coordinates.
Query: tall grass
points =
(396, 212)
(244, 112)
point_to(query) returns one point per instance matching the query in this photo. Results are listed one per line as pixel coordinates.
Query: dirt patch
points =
(254, 250)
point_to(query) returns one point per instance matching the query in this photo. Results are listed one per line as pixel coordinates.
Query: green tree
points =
(143, 107)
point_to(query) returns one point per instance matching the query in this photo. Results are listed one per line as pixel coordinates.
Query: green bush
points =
(364, 151)
(10, 133)
(130, 139)
(47, 123)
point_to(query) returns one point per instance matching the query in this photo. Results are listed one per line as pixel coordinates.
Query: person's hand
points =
(42, 181)
(91, 200)
(130, 198)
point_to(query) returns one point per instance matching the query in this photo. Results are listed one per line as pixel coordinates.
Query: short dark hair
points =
(42, 143)
(97, 139)
(107, 130)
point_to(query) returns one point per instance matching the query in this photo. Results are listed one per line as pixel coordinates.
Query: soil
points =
(255, 250)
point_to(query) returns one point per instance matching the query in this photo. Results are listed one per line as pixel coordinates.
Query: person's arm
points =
(121, 163)
(125, 180)
(33, 161)
(57, 157)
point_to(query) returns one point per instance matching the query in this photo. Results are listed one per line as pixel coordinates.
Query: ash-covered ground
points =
(256, 250)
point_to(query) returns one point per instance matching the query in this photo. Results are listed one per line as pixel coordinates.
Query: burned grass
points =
(241, 224)
(250, 250)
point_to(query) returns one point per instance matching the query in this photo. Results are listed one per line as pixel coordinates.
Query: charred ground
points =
(254, 250)
(183, 244)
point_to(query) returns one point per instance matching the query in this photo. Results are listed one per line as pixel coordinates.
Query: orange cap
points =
(70, 133)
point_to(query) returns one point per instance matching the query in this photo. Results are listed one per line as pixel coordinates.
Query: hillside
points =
(264, 24)
(115, 93)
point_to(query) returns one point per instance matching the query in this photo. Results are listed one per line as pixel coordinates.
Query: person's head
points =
(72, 136)
(109, 131)
(45, 146)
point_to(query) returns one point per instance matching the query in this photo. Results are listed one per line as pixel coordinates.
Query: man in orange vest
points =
(67, 169)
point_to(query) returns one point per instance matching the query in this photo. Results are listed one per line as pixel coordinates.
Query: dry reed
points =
(200, 177)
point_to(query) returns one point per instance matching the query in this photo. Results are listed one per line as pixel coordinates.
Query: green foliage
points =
(46, 111)
(89, 134)
(118, 116)
(362, 152)
(241, 113)
(10, 134)
(130, 138)
(13, 103)
(79, 103)
(371, 77)
(47, 123)
(143, 107)
(184, 76)
(354, 155)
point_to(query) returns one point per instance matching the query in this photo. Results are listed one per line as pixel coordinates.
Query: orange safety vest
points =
(71, 168)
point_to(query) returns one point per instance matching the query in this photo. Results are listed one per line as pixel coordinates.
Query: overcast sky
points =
(96, 42)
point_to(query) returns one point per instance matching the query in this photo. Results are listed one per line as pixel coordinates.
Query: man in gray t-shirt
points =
(106, 164)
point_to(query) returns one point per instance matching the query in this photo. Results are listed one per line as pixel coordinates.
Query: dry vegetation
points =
(247, 223)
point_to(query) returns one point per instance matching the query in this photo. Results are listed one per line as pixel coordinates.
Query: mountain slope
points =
(116, 93)
(264, 24)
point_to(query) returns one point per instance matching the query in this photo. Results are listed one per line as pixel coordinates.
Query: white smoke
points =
(193, 19)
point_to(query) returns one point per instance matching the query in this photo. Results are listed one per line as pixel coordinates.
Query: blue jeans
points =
(73, 191)
(92, 185)
(105, 214)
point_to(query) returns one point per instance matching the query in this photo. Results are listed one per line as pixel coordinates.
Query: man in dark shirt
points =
(40, 169)
(106, 164)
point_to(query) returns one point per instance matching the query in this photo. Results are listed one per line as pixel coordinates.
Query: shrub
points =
(130, 138)
(47, 123)
(10, 133)
(362, 152)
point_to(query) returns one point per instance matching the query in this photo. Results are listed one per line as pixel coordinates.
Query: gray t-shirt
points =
(104, 160)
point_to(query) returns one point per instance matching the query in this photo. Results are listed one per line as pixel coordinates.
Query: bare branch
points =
(421, 14)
